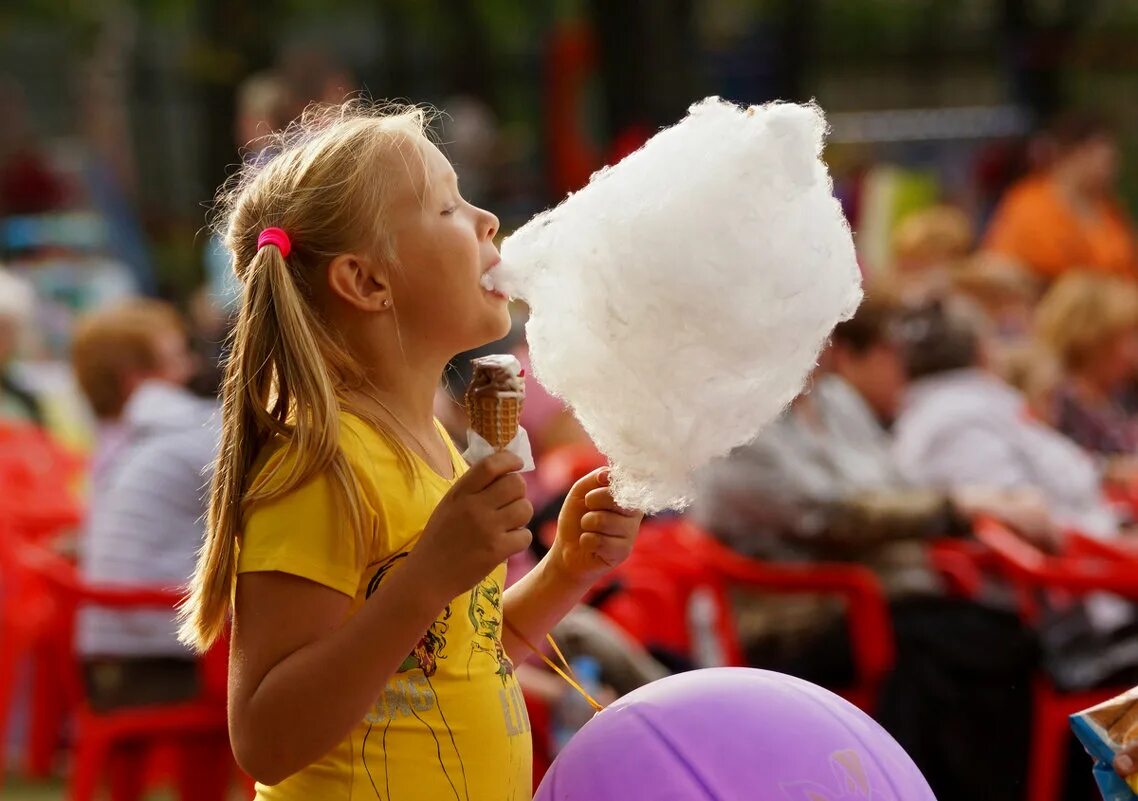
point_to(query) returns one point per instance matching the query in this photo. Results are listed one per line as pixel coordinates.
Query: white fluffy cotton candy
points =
(680, 300)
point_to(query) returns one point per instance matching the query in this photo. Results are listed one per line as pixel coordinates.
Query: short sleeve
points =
(303, 533)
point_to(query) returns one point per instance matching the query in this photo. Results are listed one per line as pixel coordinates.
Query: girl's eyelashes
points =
(449, 210)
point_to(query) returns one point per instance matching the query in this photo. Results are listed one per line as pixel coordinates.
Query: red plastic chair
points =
(541, 729)
(965, 565)
(651, 607)
(37, 502)
(58, 592)
(38, 479)
(28, 633)
(25, 619)
(560, 467)
(1088, 567)
(674, 559)
(1123, 496)
(1089, 547)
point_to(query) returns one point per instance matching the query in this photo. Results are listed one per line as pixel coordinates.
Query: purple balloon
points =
(733, 733)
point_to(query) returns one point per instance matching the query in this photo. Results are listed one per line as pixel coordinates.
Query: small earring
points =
(386, 302)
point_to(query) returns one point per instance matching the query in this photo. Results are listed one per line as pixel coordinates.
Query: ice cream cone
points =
(494, 399)
(495, 417)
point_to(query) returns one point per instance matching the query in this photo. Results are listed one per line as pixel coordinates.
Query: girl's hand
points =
(594, 535)
(478, 524)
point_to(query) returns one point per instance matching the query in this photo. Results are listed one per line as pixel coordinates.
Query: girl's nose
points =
(489, 224)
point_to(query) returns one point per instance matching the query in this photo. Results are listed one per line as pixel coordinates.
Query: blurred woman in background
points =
(927, 246)
(1090, 324)
(1069, 216)
(144, 527)
(963, 425)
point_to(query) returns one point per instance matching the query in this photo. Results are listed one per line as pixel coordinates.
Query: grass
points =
(19, 790)
(16, 789)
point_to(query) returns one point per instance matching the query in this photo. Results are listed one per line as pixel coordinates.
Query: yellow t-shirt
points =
(451, 724)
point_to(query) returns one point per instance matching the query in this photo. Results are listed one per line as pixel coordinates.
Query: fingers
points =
(516, 515)
(518, 540)
(1124, 765)
(601, 500)
(612, 524)
(606, 549)
(504, 490)
(583, 486)
(489, 470)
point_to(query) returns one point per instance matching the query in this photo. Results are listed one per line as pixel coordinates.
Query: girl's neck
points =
(408, 398)
(410, 417)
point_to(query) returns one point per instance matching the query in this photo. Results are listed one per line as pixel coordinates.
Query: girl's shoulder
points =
(369, 454)
(372, 451)
(366, 448)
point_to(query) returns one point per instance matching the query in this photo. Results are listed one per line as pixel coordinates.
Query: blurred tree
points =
(647, 56)
(236, 38)
(1036, 38)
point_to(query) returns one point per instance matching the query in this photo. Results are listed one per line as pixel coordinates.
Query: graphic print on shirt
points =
(485, 612)
(411, 694)
(429, 650)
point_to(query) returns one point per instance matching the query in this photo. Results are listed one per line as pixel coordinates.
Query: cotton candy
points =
(678, 302)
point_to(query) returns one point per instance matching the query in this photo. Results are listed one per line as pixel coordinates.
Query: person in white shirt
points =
(822, 485)
(963, 425)
(145, 518)
(144, 527)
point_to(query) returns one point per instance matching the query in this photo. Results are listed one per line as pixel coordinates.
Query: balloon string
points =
(566, 674)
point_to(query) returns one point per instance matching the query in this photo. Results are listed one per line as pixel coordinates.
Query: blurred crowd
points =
(992, 372)
(988, 374)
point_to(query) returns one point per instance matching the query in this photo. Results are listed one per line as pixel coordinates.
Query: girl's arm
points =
(303, 673)
(593, 536)
(537, 603)
(304, 670)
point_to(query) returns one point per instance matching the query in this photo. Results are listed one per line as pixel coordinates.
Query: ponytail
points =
(277, 382)
(285, 371)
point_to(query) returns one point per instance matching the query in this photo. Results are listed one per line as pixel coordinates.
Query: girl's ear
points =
(360, 281)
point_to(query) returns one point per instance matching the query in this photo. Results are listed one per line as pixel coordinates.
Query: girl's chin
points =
(493, 325)
(502, 322)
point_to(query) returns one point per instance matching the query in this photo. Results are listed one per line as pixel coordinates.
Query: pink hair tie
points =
(275, 236)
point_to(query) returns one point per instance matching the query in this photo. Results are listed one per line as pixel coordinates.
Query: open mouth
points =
(487, 282)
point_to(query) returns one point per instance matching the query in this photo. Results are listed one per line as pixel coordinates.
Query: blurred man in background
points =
(145, 522)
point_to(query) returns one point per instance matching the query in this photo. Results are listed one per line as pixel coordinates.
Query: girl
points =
(372, 643)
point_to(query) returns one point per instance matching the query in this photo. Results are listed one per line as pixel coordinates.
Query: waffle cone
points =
(495, 418)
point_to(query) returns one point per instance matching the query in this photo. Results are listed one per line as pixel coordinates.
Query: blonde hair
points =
(991, 279)
(940, 233)
(327, 186)
(112, 344)
(1082, 311)
(1033, 370)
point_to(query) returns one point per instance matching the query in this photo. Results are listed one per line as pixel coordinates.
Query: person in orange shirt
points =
(1068, 216)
